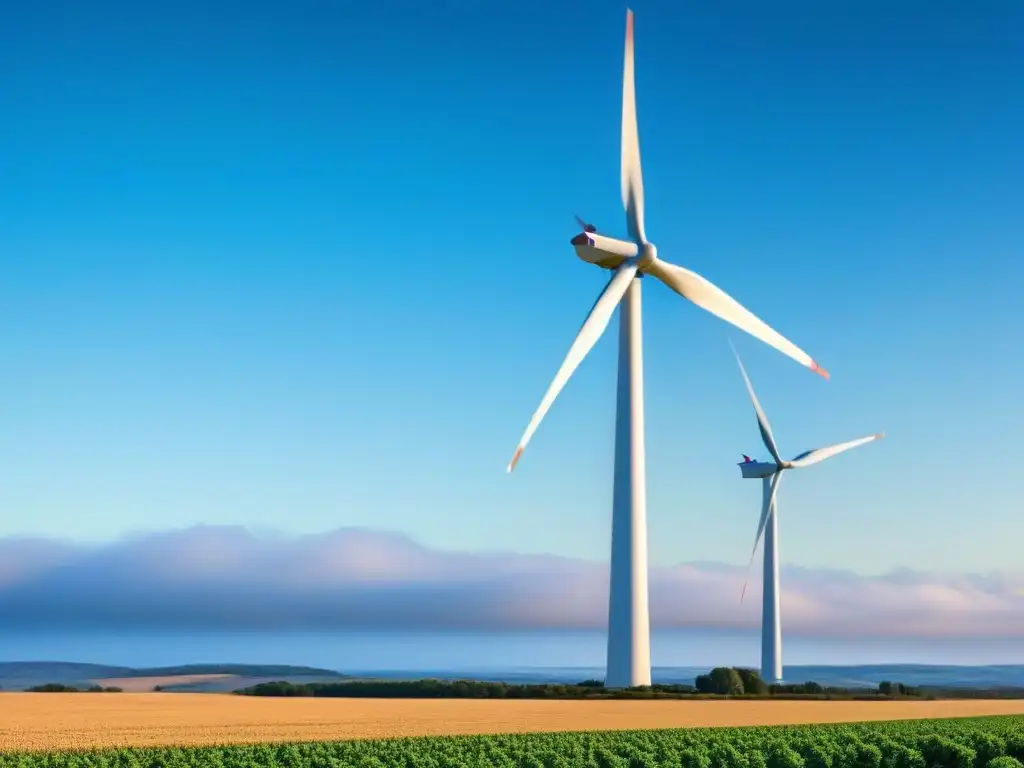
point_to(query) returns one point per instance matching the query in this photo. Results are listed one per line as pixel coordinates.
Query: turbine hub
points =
(647, 256)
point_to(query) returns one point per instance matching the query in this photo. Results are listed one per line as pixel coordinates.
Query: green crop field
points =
(986, 742)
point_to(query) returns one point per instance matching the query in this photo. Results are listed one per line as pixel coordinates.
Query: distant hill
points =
(18, 675)
(245, 670)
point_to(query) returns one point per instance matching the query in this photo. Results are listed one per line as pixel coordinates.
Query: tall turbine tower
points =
(629, 661)
(770, 474)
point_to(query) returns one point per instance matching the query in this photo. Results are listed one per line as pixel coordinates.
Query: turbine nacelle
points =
(757, 470)
(610, 252)
(605, 252)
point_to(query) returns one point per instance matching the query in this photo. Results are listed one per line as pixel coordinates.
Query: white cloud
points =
(228, 578)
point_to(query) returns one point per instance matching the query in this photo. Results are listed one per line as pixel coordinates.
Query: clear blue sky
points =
(308, 266)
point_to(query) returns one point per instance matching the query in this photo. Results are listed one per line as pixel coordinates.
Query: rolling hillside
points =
(19, 675)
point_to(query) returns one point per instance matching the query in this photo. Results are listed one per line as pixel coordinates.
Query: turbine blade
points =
(710, 297)
(762, 419)
(632, 177)
(588, 335)
(765, 508)
(807, 458)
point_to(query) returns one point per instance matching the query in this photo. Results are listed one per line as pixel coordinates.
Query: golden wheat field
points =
(55, 720)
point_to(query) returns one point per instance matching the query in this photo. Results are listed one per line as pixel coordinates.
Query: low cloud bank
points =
(226, 578)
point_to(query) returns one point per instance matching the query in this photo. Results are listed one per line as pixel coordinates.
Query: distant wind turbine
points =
(770, 474)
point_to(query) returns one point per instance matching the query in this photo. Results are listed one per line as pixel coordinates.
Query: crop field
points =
(995, 742)
(45, 721)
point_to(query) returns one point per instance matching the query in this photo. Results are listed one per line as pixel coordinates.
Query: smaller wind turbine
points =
(770, 473)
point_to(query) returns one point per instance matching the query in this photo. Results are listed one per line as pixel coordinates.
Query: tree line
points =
(460, 689)
(720, 681)
(61, 688)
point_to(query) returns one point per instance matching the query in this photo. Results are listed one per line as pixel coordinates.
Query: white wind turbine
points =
(629, 260)
(770, 473)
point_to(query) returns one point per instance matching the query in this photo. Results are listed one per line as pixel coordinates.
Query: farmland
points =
(81, 720)
(994, 742)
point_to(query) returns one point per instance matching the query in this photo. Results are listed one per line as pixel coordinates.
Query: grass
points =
(47, 721)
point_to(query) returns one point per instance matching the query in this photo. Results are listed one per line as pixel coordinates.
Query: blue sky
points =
(308, 267)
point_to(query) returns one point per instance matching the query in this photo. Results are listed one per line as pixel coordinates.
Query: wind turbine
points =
(770, 473)
(629, 260)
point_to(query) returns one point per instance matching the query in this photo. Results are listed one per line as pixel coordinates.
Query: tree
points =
(703, 684)
(752, 682)
(726, 681)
